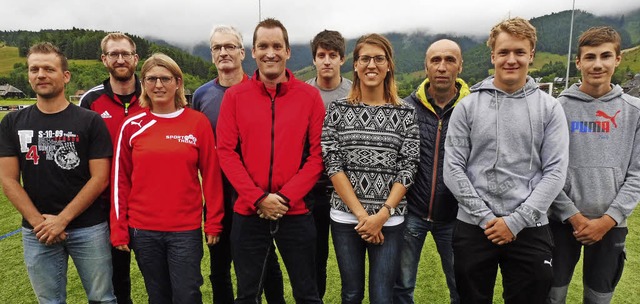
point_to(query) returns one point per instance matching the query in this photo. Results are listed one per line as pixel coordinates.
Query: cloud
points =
(187, 22)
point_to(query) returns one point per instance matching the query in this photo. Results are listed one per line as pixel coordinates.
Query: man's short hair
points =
(599, 35)
(328, 40)
(116, 36)
(517, 27)
(271, 23)
(49, 48)
(226, 29)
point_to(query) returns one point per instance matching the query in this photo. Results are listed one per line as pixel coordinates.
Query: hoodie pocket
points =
(593, 189)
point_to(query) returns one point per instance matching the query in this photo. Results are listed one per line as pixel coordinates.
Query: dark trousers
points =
(220, 257)
(602, 264)
(170, 264)
(251, 243)
(220, 260)
(319, 199)
(121, 279)
(525, 265)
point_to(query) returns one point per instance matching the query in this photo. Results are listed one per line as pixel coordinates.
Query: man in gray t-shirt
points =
(328, 50)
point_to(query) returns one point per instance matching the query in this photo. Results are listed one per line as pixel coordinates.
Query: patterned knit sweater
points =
(375, 146)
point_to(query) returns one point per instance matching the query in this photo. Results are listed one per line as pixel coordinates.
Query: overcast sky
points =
(189, 21)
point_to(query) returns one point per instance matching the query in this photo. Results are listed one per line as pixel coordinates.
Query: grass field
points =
(431, 287)
(9, 57)
(631, 60)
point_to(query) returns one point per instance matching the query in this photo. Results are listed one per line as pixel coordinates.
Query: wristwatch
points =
(392, 210)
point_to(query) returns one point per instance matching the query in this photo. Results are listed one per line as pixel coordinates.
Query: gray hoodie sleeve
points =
(629, 194)
(457, 150)
(562, 208)
(554, 159)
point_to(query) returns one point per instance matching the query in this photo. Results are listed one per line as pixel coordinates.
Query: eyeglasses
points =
(216, 48)
(152, 80)
(116, 55)
(378, 60)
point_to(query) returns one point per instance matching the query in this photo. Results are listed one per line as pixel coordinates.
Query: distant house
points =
(75, 98)
(9, 91)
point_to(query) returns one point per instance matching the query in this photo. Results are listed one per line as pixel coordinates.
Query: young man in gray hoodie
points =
(506, 157)
(603, 181)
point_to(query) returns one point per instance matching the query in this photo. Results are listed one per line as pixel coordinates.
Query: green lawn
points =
(8, 58)
(431, 287)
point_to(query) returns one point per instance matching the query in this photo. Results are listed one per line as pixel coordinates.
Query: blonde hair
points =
(116, 36)
(390, 88)
(162, 60)
(517, 27)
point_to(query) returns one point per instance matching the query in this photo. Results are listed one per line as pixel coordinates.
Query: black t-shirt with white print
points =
(54, 152)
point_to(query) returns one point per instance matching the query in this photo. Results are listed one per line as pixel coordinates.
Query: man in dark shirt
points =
(63, 154)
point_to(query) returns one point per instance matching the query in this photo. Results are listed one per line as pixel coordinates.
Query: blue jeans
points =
(415, 232)
(170, 264)
(383, 263)
(251, 244)
(90, 250)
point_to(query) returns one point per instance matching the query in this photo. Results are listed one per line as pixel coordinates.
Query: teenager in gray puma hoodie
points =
(506, 156)
(603, 181)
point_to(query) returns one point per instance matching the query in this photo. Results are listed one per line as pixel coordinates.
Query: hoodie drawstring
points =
(530, 128)
(495, 95)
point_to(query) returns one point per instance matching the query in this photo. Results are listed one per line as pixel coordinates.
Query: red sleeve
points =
(211, 178)
(301, 183)
(121, 187)
(227, 132)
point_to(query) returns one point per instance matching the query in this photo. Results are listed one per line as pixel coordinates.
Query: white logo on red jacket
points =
(188, 139)
(105, 115)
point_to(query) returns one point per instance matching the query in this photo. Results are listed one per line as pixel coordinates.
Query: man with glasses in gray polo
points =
(114, 99)
(227, 54)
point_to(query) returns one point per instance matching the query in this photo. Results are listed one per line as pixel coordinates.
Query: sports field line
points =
(2, 237)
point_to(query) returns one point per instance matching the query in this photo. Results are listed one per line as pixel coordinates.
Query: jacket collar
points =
(281, 88)
(421, 93)
(109, 91)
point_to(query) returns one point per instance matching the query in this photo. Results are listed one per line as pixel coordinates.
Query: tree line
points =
(85, 44)
(553, 30)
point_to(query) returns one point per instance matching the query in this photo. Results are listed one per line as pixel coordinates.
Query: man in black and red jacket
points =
(114, 100)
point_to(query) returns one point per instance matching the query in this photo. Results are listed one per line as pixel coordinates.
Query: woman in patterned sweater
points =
(370, 146)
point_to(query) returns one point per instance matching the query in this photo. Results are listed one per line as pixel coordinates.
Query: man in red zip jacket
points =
(114, 99)
(268, 137)
(227, 53)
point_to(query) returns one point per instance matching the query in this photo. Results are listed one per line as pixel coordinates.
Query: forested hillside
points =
(82, 48)
(553, 34)
(553, 30)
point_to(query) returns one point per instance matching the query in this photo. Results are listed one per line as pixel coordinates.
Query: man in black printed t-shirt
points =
(62, 152)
